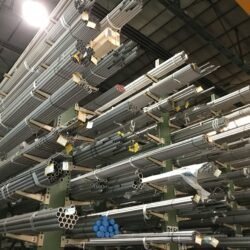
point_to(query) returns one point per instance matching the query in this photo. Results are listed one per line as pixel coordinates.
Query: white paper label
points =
(49, 169)
(70, 211)
(90, 125)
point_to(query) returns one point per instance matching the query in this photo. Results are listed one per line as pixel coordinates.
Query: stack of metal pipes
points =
(133, 106)
(35, 179)
(56, 104)
(82, 185)
(40, 221)
(62, 20)
(141, 211)
(26, 100)
(145, 239)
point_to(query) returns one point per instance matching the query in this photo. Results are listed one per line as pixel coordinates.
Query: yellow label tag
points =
(68, 148)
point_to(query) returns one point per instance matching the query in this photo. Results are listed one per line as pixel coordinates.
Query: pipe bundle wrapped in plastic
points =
(40, 221)
(38, 178)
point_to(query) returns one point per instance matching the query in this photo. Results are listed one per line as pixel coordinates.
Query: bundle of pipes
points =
(101, 151)
(241, 217)
(46, 146)
(40, 221)
(132, 107)
(221, 105)
(62, 20)
(61, 100)
(139, 210)
(41, 149)
(176, 101)
(142, 160)
(218, 125)
(38, 178)
(127, 186)
(31, 96)
(144, 239)
(233, 242)
(216, 155)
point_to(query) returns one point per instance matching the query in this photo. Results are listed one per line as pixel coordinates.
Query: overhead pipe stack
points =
(61, 70)
(65, 26)
(38, 178)
(40, 221)
(56, 104)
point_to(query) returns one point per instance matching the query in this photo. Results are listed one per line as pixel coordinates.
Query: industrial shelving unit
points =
(169, 167)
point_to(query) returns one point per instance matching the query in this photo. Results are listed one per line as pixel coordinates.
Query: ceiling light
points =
(35, 14)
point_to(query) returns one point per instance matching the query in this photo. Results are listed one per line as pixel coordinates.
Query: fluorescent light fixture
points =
(35, 13)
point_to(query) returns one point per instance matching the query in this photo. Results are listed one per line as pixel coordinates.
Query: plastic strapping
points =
(32, 222)
(106, 213)
(36, 181)
(7, 190)
(4, 225)
(145, 245)
(215, 124)
(83, 245)
(95, 74)
(96, 175)
(111, 24)
(64, 23)
(2, 123)
(132, 164)
(2, 192)
(144, 212)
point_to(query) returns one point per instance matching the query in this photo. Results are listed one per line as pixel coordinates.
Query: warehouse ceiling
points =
(214, 31)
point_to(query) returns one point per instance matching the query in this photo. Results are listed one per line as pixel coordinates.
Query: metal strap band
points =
(2, 123)
(36, 181)
(32, 221)
(95, 74)
(64, 23)
(144, 212)
(2, 192)
(111, 24)
(4, 225)
(145, 245)
(132, 164)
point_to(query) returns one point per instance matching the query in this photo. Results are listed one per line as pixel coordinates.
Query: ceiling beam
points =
(11, 47)
(203, 33)
(149, 45)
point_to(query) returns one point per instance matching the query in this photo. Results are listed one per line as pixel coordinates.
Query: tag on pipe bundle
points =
(70, 211)
(49, 169)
